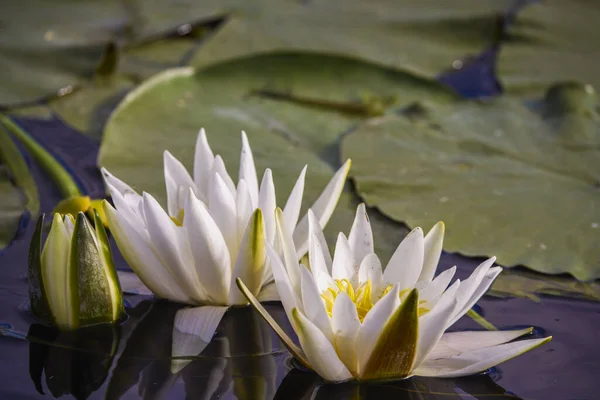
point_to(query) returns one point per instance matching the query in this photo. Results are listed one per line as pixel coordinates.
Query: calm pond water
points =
(246, 360)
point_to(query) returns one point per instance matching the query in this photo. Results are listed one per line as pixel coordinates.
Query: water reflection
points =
(74, 363)
(239, 362)
(300, 385)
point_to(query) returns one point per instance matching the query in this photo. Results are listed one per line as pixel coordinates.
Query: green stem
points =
(481, 321)
(57, 172)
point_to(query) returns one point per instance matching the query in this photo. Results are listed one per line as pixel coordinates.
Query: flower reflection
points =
(301, 385)
(74, 363)
(164, 361)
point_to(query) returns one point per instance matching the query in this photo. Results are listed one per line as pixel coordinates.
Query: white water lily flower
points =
(357, 321)
(213, 232)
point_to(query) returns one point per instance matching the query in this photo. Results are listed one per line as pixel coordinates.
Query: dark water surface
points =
(246, 360)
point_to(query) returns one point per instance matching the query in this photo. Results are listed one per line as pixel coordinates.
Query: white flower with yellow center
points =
(213, 232)
(357, 321)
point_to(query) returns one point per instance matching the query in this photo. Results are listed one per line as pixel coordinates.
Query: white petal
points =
(289, 298)
(269, 293)
(323, 207)
(407, 261)
(476, 361)
(431, 293)
(313, 304)
(455, 343)
(433, 324)
(193, 330)
(318, 266)
(291, 211)
(222, 208)
(320, 352)
(219, 168)
(373, 323)
(314, 229)
(361, 235)
(203, 161)
(370, 270)
(211, 255)
(433, 244)
(250, 263)
(244, 207)
(140, 256)
(474, 287)
(125, 209)
(176, 176)
(114, 184)
(248, 170)
(343, 262)
(346, 325)
(288, 250)
(267, 203)
(131, 284)
(172, 247)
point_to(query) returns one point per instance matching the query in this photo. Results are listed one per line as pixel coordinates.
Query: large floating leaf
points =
(516, 182)
(17, 189)
(167, 111)
(551, 40)
(423, 37)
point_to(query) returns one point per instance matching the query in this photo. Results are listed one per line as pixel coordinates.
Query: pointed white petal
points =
(289, 298)
(172, 247)
(244, 207)
(176, 176)
(250, 263)
(407, 261)
(211, 255)
(314, 229)
(289, 251)
(361, 235)
(114, 184)
(433, 243)
(125, 209)
(433, 324)
(248, 170)
(318, 266)
(313, 304)
(267, 203)
(132, 284)
(370, 270)
(222, 208)
(474, 287)
(373, 324)
(220, 169)
(141, 257)
(343, 261)
(346, 325)
(455, 343)
(203, 161)
(476, 361)
(192, 331)
(323, 207)
(291, 211)
(269, 293)
(320, 352)
(432, 291)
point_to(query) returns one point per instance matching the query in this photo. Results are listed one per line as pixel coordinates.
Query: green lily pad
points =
(519, 182)
(422, 37)
(549, 41)
(530, 285)
(17, 189)
(167, 111)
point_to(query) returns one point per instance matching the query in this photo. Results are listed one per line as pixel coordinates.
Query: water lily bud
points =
(73, 281)
(75, 204)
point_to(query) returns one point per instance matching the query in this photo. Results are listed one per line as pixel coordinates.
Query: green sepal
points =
(396, 346)
(37, 292)
(94, 288)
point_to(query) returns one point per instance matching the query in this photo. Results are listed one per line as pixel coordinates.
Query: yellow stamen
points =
(178, 220)
(361, 297)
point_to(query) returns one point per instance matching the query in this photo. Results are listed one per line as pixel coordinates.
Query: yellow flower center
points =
(178, 220)
(361, 297)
